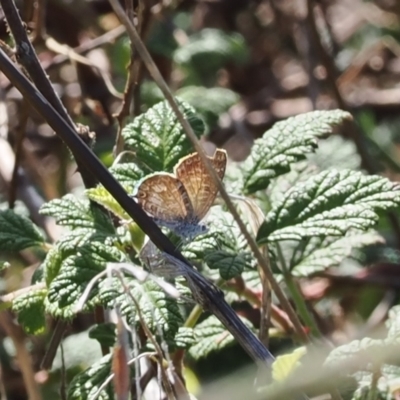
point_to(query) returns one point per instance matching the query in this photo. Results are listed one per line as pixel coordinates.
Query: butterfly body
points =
(180, 201)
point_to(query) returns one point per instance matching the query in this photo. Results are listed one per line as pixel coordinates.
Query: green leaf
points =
(53, 309)
(323, 253)
(210, 103)
(86, 384)
(229, 265)
(158, 139)
(78, 269)
(329, 204)
(52, 263)
(30, 310)
(184, 338)
(284, 365)
(366, 392)
(104, 334)
(211, 336)
(210, 49)
(160, 312)
(102, 196)
(336, 152)
(160, 39)
(127, 174)
(368, 356)
(393, 323)
(78, 213)
(364, 351)
(223, 247)
(86, 221)
(287, 142)
(17, 232)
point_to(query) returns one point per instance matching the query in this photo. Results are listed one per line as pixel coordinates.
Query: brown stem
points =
(27, 57)
(23, 357)
(20, 135)
(39, 17)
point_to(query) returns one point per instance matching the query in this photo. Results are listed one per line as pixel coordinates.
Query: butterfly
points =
(180, 201)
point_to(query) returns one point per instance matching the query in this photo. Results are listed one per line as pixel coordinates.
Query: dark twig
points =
(55, 340)
(20, 135)
(205, 293)
(87, 46)
(27, 57)
(24, 359)
(131, 80)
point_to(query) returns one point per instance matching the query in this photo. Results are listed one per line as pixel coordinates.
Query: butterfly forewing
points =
(198, 183)
(164, 197)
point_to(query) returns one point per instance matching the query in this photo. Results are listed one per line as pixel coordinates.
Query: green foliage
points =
(157, 138)
(78, 269)
(184, 338)
(87, 383)
(284, 365)
(126, 174)
(367, 357)
(52, 263)
(160, 312)
(211, 335)
(77, 214)
(17, 232)
(160, 39)
(209, 50)
(30, 310)
(86, 221)
(223, 247)
(101, 196)
(320, 253)
(287, 142)
(329, 204)
(104, 334)
(210, 103)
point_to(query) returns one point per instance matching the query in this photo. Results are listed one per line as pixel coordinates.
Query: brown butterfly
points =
(180, 201)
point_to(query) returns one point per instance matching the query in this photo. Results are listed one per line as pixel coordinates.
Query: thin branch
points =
(27, 57)
(20, 135)
(131, 80)
(24, 359)
(39, 20)
(106, 38)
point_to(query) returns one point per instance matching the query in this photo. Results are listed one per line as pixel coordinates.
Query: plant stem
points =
(373, 392)
(193, 316)
(301, 305)
(297, 297)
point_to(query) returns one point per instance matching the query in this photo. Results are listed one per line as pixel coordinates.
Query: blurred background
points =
(243, 65)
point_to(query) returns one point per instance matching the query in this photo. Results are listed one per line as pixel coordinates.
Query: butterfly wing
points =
(198, 183)
(164, 197)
